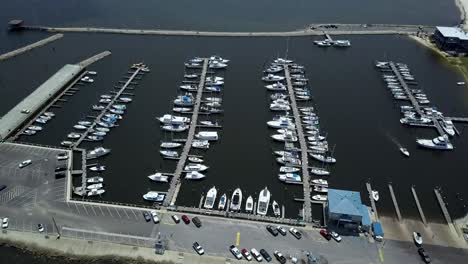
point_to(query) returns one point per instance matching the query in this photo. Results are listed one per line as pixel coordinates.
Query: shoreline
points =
(462, 5)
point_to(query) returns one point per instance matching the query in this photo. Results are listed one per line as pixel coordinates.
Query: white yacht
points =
(29, 132)
(404, 151)
(290, 137)
(169, 153)
(320, 182)
(175, 128)
(279, 107)
(74, 135)
(319, 197)
(440, 142)
(181, 109)
(290, 178)
(189, 87)
(80, 127)
(319, 171)
(170, 145)
(98, 168)
(321, 189)
(342, 43)
(222, 202)
(213, 88)
(274, 69)
(94, 186)
(276, 87)
(236, 200)
(195, 159)
(95, 180)
(195, 167)
(95, 192)
(194, 175)
(249, 204)
(218, 59)
(97, 152)
(263, 202)
(173, 120)
(272, 78)
(213, 99)
(323, 158)
(191, 76)
(276, 208)
(153, 196)
(282, 61)
(200, 144)
(159, 177)
(282, 122)
(447, 126)
(214, 78)
(217, 65)
(125, 99)
(210, 198)
(207, 135)
(289, 161)
(286, 169)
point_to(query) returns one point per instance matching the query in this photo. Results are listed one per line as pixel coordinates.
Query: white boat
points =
(319, 171)
(279, 107)
(282, 61)
(375, 195)
(286, 153)
(195, 159)
(117, 111)
(125, 99)
(320, 182)
(289, 137)
(276, 87)
(170, 145)
(97, 152)
(200, 144)
(169, 153)
(213, 104)
(105, 100)
(80, 127)
(106, 96)
(195, 167)
(404, 151)
(189, 87)
(173, 120)
(181, 109)
(67, 143)
(277, 96)
(41, 120)
(274, 69)
(282, 122)
(99, 133)
(216, 58)
(184, 100)
(319, 197)
(290, 178)
(417, 239)
(342, 43)
(29, 132)
(321, 189)
(217, 65)
(194, 175)
(119, 106)
(263, 202)
(94, 138)
(95, 192)
(153, 196)
(159, 177)
(175, 128)
(97, 168)
(276, 208)
(105, 124)
(222, 202)
(208, 123)
(74, 135)
(272, 78)
(323, 158)
(440, 143)
(95, 180)
(210, 198)
(50, 114)
(94, 186)
(85, 123)
(286, 169)
(191, 76)
(207, 135)
(460, 83)
(213, 99)
(214, 83)
(316, 138)
(288, 161)
(447, 126)
(102, 129)
(323, 43)
(87, 79)
(236, 200)
(249, 204)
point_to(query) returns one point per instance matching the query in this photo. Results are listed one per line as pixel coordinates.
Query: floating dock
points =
(446, 213)
(416, 199)
(395, 203)
(303, 145)
(405, 87)
(374, 208)
(175, 183)
(29, 47)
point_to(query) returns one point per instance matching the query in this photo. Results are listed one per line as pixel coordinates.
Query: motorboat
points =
(209, 123)
(316, 138)
(85, 123)
(236, 200)
(286, 169)
(319, 171)
(263, 202)
(195, 159)
(201, 144)
(272, 78)
(94, 138)
(279, 107)
(213, 88)
(404, 151)
(215, 58)
(106, 96)
(181, 109)
(210, 198)
(80, 127)
(283, 61)
(67, 143)
(289, 137)
(319, 197)
(95, 186)
(286, 153)
(323, 43)
(320, 189)
(460, 83)
(102, 129)
(193, 65)
(320, 182)
(415, 120)
(440, 143)
(447, 126)
(196, 60)
(281, 101)
(170, 145)
(113, 116)
(211, 110)
(276, 208)
(74, 135)
(119, 106)
(288, 161)
(194, 175)
(195, 167)
(175, 128)
(217, 65)
(290, 178)
(342, 43)
(159, 177)
(29, 132)
(105, 124)
(191, 76)
(41, 120)
(276, 87)
(213, 104)
(173, 120)
(153, 196)
(87, 79)
(105, 100)
(222, 202)
(214, 83)
(97, 168)
(49, 114)
(99, 133)
(277, 96)
(125, 99)
(274, 69)
(249, 204)
(375, 195)
(95, 192)
(94, 180)
(97, 152)
(184, 100)
(417, 238)
(323, 158)
(282, 122)
(189, 87)
(207, 135)
(117, 111)
(213, 99)
(169, 153)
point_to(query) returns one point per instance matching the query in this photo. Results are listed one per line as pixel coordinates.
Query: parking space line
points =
(76, 206)
(125, 211)
(117, 212)
(84, 207)
(101, 210)
(92, 207)
(109, 211)
(134, 214)
(238, 239)
(381, 255)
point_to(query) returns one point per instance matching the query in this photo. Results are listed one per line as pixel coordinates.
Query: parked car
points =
(198, 248)
(325, 234)
(147, 216)
(60, 168)
(196, 221)
(265, 255)
(256, 254)
(295, 233)
(335, 236)
(2, 187)
(281, 230)
(185, 219)
(25, 163)
(176, 219)
(62, 156)
(246, 254)
(425, 257)
(272, 230)
(235, 252)
(40, 228)
(5, 223)
(154, 214)
(280, 257)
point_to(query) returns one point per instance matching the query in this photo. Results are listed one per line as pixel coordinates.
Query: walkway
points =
(30, 47)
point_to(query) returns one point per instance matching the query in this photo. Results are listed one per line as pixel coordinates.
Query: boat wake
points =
(393, 139)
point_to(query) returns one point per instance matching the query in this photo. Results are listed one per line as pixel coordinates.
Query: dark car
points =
(2, 187)
(325, 234)
(147, 216)
(265, 255)
(425, 257)
(280, 257)
(186, 219)
(60, 168)
(272, 230)
(196, 221)
(60, 175)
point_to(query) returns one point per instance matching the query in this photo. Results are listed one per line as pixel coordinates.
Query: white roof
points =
(453, 32)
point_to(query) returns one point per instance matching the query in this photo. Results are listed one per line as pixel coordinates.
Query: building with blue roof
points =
(345, 209)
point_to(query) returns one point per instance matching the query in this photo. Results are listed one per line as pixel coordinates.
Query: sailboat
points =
(236, 200)
(210, 198)
(222, 202)
(263, 202)
(249, 205)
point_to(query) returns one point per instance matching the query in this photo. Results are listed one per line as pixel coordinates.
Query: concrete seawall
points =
(30, 47)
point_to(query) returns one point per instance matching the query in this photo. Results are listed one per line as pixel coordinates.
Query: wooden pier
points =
(395, 203)
(303, 145)
(408, 92)
(176, 183)
(108, 106)
(423, 217)
(29, 47)
(446, 213)
(374, 208)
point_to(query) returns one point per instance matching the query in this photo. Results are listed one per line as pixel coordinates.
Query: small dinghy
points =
(98, 168)
(276, 209)
(417, 239)
(319, 171)
(95, 180)
(404, 151)
(170, 145)
(222, 202)
(375, 195)
(249, 204)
